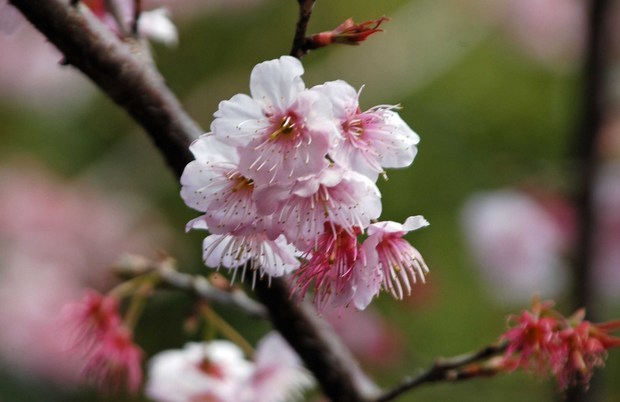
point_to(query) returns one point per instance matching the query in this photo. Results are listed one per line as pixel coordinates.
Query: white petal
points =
(238, 120)
(156, 25)
(275, 84)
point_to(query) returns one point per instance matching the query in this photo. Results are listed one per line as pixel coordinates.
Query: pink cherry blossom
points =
(278, 374)
(400, 263)
(372, 140)
(255, 252)
(213, 184)
(216, 371)
(283, 130)
(339, 196)
(331, 267)
(112, 361)
(367, 334)
(569, 348)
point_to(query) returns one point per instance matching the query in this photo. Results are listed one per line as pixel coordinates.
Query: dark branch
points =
(299, 42)
(124, 73)
(318, 346)
(587, 164)
(450, 370)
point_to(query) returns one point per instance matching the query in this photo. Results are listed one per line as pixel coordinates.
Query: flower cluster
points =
(217, 371)
(112, 360)
(569, 348)
(289, 172)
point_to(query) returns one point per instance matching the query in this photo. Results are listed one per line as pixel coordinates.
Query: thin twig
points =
(166, 276)
(202, 288)
(450, 370)
(299, 41)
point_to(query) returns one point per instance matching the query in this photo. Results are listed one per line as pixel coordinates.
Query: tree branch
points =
(137, 87)
(123, 72)
(453, 369)
(317, 344)
(299, 42)
(133, 266)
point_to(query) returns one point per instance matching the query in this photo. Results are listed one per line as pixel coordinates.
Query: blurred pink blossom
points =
(550, 31)
(517, 245)
(373, 340)
(520, 240)
(56, 238)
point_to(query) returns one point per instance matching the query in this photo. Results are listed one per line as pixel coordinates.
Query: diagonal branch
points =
(123, 72)
(454, 369)
(136, 86)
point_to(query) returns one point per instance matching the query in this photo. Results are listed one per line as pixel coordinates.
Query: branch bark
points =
(122, 70)
(299, 48)
(587, 166)
(448, 370)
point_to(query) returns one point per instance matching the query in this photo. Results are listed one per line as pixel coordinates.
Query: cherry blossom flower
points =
(283, 130)
(278, 374)
(337, 196)
(94, 316)
(336, 266)
(533, 339)
(254, 251)
(372, 140)
(290, 172)
(111, 360)
(400, 263)
(213, 184)
(217, 371)
(114, 363)
(569, 348)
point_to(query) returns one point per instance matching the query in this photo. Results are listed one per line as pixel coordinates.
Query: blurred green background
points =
(489, 116)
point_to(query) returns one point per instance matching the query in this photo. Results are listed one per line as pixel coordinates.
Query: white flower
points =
(217, 371)
(283, 130)
(399, 262)
(372, 140)
(200, 370)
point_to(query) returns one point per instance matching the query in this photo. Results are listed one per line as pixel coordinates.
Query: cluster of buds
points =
(569, 348)
(289, 174)
(112, 361)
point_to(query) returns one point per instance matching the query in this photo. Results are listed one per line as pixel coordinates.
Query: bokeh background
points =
(491, 87)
